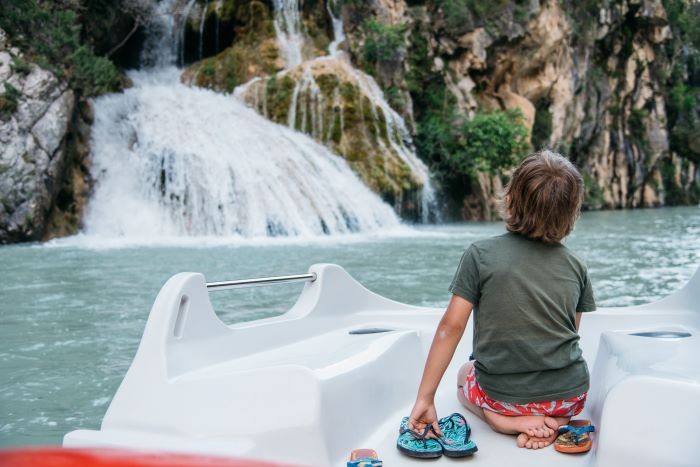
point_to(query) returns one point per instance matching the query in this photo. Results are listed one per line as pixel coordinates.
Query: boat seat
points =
(633, 373)
(303, 389)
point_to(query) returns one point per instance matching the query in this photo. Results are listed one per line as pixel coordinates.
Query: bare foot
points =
(533, 442)
(526, 440)
(534, 426)
(555, 422)
(531, 425)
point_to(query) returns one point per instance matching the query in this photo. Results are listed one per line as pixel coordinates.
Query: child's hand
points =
(422, 415)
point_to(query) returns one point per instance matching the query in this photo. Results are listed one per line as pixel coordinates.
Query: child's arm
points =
(447, 336)
(578, 319)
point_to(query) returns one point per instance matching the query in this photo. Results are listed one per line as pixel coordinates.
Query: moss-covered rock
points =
(316, 26)
(329, 101)
(254, 51)
(233, 41)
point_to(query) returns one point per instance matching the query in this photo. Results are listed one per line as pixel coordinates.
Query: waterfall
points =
(290, 40)
(201, 29)
(288, 29)
(183, 20)
(338, 33)
(168, 159)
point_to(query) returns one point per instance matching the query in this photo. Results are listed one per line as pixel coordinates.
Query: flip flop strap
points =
(577, 430)
(448, 423)
(416, 435)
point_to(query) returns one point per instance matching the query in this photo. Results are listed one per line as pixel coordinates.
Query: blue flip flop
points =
(456, 432)
(415, 444)
(574, 437)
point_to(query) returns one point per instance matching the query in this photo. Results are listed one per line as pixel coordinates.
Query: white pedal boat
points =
(305, 388)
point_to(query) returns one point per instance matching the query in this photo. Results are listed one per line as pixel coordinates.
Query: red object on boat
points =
(58, 457)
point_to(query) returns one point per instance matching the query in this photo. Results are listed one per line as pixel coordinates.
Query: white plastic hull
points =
(299, 388)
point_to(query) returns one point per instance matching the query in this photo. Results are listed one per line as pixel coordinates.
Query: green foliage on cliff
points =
(384, 43)
(678, 194)
(636, 124)
(50, 34)
(8, 101)
(593, 198)
(456, 147)
(21, 66)
(683, 85)
(254, 51)
(462, 16)
(491, 142)
(542, 127)
(279, 95)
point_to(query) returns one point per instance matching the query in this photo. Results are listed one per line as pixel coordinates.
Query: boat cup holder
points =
(369, 331)
(662, 334)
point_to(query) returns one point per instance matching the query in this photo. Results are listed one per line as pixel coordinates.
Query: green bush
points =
(49, 33)
(21, 66)
(636, 125)
(542, 127)
(491, 142)
(456, 148)
(8, 101)
(683, 84)
(384, 43)
(94, 75)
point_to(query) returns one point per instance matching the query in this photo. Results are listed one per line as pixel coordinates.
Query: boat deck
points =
(306, 388)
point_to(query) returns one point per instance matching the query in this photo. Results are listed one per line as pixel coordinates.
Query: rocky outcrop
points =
(36, 115)
(253, 52)
(282, 56)
(342, 108)
(234, 41)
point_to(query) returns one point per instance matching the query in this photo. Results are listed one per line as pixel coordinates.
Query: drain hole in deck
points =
(370, 330)
(662, 334)
(181, 317)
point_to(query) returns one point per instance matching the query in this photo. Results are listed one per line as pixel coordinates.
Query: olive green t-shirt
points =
(525, 294)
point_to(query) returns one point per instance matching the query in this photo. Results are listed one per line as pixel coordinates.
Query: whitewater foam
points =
(172, 160)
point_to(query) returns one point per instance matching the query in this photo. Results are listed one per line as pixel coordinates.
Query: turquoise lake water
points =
(72, 311)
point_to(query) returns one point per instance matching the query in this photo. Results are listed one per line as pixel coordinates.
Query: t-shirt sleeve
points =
(466, 282)
(586, 302)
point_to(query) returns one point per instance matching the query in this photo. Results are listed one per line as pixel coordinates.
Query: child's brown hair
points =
(543, 199)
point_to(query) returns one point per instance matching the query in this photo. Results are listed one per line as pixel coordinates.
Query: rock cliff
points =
(337, 106)
(41, 170)
(592, 79)
(306, 89)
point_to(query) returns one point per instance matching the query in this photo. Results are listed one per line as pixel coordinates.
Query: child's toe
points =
(521, 440)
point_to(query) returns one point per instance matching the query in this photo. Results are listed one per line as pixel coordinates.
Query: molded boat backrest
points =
(685, 298)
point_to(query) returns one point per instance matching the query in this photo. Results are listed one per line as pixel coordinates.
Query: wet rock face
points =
(229, 42)
(339, 107)
(35, 115)
(248, 49)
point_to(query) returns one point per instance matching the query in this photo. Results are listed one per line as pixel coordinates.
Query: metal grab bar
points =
(259, 281)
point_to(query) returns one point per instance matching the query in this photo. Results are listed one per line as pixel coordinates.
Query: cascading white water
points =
(338, 33)
(288, 29)
(201, 29)
(169, 159)
(287, 18)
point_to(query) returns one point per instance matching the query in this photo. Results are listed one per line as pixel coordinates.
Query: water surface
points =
(72, 312)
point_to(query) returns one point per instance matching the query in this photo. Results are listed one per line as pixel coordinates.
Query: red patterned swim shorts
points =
(562, 408)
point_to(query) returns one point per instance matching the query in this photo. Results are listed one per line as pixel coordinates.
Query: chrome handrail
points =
(225, 285)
